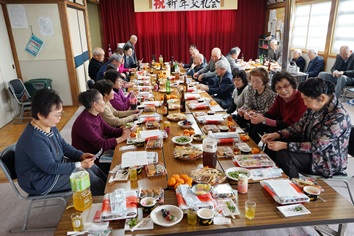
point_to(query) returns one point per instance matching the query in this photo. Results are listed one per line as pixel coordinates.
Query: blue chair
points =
(7, 164)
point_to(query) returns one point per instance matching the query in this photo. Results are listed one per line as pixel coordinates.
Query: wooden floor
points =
(11, 132)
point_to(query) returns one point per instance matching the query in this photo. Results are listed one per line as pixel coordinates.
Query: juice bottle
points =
(80, 185)
(209, 151)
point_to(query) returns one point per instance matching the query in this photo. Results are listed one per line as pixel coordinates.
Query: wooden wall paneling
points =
(88, 33)
(330, 32)
(12, 41)
(74, 89)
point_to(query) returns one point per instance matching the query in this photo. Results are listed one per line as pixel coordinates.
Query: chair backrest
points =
(90, 83)
(351, 142)
(18, 89)
(7, 161)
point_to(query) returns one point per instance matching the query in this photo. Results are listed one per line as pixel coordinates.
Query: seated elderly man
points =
(223, 88)
(96, 62)
(198, 64)
(192, 51)
(342, 71)
(275, 52)
(232, 57)
(316, 63)
(114, 59)
(208, 73)
(298, 59)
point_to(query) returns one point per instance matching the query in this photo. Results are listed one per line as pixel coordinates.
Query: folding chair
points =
(22, 97)
(7, 163)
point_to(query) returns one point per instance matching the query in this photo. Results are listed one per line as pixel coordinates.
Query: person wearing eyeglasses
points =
(43, 160)
(318, 143)
(287, 108)
(259, 98)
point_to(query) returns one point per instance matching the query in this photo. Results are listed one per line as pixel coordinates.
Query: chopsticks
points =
(138, 224)
(263, 144)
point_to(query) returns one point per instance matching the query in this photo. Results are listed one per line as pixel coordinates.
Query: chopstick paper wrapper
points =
(144, 120)
(199, 107)
(191, 96)
(227, 140)
(186, 200)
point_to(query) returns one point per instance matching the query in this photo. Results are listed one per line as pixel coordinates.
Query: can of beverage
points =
(242, 185)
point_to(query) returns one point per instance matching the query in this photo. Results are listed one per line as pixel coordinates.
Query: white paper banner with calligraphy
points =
(183, 5)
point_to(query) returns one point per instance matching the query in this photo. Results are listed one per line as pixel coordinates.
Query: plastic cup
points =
(192, 216)
(133, 174)
(250, 209)
(76, 221)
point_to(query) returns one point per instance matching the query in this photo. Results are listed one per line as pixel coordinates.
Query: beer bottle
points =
(172, 65)
(165, 106)
(185, 83)
(183, 102)
(168, 86)
(109, 51)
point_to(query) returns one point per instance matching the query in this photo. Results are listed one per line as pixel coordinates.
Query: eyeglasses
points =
(278, 88)
(59, 114)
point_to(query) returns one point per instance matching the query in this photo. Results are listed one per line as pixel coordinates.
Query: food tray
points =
(223, 191)
(228, 207)
(173, 106)
(176, 117)
(149, 108)
(212, 128)
(188, 153)
(152, 157)
(155, 169)
(152, 125)
(157, 193)
(253, 161)
(224, 152)
(208, 175)
(301, 183)
(154, 143)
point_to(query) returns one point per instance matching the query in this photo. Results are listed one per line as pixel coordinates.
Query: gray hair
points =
(235, 50)
(134, 37)
(199, 56)
(221, 64)
(97, 51)
(298, 50)
(115, 57)
(312, 50)
(274, 41)
(345, 47)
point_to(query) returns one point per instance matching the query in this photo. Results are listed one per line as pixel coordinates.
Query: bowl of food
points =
(182, 140)
(205, 216)
(139, 142)
(166, 215)
(201, 189)
(148, 203)
(185, 124)
(198, 137)
(224, 128)
(312, 192)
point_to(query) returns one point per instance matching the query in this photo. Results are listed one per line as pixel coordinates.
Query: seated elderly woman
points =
(90, 132)
(318, 143)
(43, 160)
(120, 102)
(223, 86)
(109, 114)
(241, 86)
(259, 98)
(287, 109)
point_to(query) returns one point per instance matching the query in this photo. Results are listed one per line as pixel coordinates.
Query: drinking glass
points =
(76, 220)
(192, 216)
(250, 209)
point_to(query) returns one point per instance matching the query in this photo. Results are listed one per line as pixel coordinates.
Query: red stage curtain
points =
(171, 33)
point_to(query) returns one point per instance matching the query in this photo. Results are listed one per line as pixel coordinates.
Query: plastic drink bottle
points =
(209, 151)
(80, 185)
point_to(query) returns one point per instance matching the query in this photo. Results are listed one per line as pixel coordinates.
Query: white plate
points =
(350, 102)
(290, 210)
(174, 139)
(240, 169)
(157, 218)
(180, 123)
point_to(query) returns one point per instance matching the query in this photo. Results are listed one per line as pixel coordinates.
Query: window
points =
(311, 25)
(344, 27)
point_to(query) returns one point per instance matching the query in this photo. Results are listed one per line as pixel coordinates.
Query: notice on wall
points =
(45, 26)
(34, 45)
(183, 5)
(17, 15)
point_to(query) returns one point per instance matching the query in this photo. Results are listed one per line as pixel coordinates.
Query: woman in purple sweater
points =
(120, 102)
(90, 132)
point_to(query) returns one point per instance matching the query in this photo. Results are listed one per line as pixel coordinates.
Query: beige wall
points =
(95, 26)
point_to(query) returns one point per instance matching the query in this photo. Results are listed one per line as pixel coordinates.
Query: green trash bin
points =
(33, 85)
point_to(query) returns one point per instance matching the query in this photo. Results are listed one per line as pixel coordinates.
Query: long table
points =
(335, 211)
